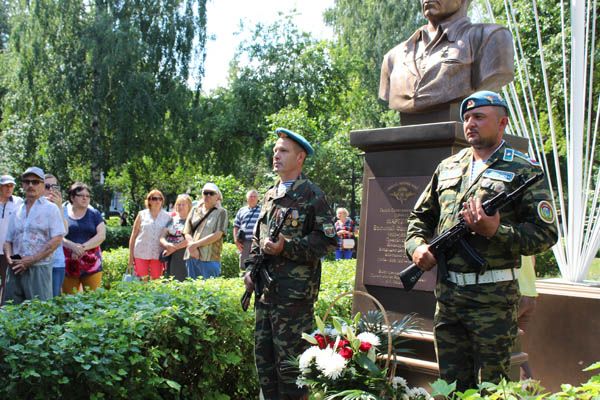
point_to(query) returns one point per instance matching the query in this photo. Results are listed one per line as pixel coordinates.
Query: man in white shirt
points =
(34, 232)
(8, 205)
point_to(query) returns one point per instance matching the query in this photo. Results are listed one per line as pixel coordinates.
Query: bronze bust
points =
(446, 60)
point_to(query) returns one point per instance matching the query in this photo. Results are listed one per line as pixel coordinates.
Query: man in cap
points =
(204, 230)
(285, 311)
(34, 232)
(446, 60)
(9, 204)
(475, 322)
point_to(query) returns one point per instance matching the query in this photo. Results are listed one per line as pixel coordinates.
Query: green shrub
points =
(116, 236)
(546, 265)
(337, 277)
(230, 264)
(114, 264)
(113, 221)
(137, 341)
(159, 340)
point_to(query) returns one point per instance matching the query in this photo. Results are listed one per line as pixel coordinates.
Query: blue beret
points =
(481, 99)
(296, 137)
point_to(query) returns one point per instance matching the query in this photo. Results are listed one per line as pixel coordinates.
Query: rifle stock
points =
(449, 238)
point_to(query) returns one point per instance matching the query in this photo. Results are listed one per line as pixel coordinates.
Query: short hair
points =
(343, 210)
(184, 198)
(251, 191)
(151, 193)
(50, 176)
(75, 189)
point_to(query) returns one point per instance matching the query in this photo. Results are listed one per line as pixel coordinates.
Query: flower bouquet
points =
(343, 361)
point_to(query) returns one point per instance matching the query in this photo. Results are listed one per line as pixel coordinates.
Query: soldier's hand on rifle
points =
(248, 282)
(423, 258)
(477, 220)
(274, 248)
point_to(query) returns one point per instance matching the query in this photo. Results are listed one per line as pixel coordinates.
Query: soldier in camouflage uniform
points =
(286, 310)
(475, 322)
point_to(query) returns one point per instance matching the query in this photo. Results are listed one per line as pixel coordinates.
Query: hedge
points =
(116, 236)
(159, 340)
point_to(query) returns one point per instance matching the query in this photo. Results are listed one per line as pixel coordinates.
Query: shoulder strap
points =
(202, 220)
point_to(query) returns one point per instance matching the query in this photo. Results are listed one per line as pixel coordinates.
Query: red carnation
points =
(365, 346)
(321, 340)
(345, 352)
(344, 343)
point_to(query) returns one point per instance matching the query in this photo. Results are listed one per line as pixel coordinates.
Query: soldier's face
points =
(439, 10)
(484, 127)
(287, 156)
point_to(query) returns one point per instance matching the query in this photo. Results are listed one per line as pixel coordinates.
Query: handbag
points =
(348, 244)
(129, 276)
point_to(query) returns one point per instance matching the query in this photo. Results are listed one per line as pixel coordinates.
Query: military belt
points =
(491, 276)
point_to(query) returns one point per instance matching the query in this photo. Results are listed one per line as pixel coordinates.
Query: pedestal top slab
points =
(406, 137)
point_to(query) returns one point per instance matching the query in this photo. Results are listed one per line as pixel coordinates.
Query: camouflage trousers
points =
(278, 338)
(475, 327)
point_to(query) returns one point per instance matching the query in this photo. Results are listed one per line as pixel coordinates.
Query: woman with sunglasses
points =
(144, 243)
(204, 230)
(87, 231)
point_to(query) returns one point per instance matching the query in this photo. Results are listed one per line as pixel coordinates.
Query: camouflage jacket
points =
(527, 226)
(309, 235)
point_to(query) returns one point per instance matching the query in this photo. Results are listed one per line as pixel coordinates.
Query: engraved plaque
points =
(390, 201)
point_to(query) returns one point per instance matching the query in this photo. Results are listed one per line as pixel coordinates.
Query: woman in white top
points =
(144, 243)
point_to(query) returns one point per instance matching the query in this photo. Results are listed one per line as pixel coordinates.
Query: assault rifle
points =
(258, 273)
(447, 240)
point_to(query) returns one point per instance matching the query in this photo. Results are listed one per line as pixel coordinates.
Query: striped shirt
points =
(246, 218)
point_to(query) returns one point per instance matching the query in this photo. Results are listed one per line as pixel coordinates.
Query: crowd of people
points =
(48, 246)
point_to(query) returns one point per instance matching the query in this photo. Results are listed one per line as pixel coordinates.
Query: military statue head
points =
(446, 60)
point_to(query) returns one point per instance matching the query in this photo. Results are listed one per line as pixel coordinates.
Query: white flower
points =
(369, 338)
(399, 381)
(330, 363)
(307, 358)
(418, 391)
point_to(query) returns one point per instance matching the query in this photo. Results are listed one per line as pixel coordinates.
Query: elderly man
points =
(9, 204)
(243, 225)
(286, 310)
(204, 230)
(446, 60)
(475, 322)
(35, 230)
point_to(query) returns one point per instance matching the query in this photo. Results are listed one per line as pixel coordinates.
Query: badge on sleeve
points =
(329, 230)
(546, 211)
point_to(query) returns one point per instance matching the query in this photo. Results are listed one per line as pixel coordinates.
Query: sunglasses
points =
(207, 193)
(49, 186)
(155, 198)
(33, 182)
(83, 196)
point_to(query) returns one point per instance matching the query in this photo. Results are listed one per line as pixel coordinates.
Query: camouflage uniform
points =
(475, 325)
(286, 310)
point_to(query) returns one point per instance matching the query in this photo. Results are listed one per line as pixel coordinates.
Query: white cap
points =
(37, 171)
(7, 180)
(211, 187)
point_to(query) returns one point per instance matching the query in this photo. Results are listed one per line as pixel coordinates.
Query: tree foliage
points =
(94, 85)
